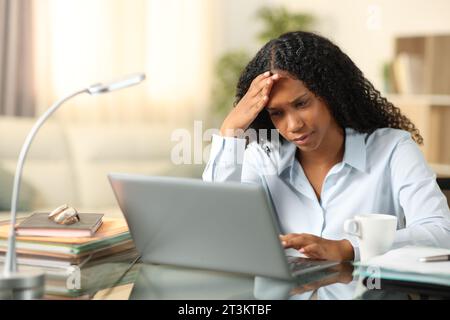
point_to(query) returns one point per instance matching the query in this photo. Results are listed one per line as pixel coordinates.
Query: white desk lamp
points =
(29, 285)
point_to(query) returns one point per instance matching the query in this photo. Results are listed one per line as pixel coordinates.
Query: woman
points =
(344, 150)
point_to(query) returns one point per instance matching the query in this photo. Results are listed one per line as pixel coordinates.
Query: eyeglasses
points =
(64, 215)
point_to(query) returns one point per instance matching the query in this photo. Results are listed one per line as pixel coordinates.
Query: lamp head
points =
(126, 82)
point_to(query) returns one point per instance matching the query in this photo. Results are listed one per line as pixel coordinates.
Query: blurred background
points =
(192, 52)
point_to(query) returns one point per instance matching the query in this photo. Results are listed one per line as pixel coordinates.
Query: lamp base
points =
(22, 285)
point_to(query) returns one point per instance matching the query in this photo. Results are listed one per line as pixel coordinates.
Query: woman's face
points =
(298, 115)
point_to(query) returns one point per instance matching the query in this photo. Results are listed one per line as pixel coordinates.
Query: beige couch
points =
(69, 164)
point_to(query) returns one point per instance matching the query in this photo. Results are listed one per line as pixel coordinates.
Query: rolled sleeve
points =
(355, 243)
(423, 203)
(225, 160)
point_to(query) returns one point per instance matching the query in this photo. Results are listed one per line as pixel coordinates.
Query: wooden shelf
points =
(441, 170)
(431, 115)
(433, 52)
(426, 70)
(420, 99)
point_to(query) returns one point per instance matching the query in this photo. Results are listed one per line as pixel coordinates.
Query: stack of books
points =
(77, 266)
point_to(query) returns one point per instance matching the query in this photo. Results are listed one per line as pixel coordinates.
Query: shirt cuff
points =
(231, 149)
(355, 244)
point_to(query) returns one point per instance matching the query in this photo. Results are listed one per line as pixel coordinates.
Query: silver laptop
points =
(219, 226)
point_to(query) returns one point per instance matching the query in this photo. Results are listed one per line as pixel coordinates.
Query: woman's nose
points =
(295, 123)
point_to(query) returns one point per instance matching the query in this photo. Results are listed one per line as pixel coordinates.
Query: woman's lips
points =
(303, 139)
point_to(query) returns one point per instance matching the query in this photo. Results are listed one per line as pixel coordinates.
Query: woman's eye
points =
(275, 113)
(301, 104)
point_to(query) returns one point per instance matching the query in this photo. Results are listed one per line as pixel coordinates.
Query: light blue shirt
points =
(384, 172)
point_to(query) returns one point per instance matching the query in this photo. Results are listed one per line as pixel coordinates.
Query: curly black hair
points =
(331, 75)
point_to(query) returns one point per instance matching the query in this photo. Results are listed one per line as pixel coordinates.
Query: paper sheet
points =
(406, 259)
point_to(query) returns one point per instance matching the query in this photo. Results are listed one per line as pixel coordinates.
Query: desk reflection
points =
(164, 282)
(333, 283)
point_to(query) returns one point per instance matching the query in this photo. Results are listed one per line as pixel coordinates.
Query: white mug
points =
(375, 232)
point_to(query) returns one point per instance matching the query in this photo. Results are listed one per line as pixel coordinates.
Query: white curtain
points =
(16, 48)
(81, 42)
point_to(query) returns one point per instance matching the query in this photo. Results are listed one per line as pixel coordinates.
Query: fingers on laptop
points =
(313, 250)
(297, 241)
(305, 243)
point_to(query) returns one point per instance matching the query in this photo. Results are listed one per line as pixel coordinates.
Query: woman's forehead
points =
(285, 91)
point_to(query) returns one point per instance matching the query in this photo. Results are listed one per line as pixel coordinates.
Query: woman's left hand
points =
(319, 248)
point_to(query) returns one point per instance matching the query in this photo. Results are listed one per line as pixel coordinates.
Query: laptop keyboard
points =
(299, 265)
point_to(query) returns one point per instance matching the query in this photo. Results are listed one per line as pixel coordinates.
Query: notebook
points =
(403, 264)
(112, 232)
(38, 224)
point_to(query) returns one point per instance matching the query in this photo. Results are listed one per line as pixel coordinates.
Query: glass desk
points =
(140, 281)
(131, 279)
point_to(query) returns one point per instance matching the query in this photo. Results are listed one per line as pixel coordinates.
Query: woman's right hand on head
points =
(251, 104)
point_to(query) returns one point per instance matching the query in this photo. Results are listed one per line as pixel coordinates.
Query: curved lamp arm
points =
(11, 261)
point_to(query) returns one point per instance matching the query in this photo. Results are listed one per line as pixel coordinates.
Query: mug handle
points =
(352, 227)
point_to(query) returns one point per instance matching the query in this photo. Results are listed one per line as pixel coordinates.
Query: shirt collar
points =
(354, 154)
(355, 149)
(287, 157)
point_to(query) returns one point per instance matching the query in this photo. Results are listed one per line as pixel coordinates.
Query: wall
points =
(364, 29)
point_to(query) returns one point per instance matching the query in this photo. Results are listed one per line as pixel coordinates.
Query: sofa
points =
(69, 163)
